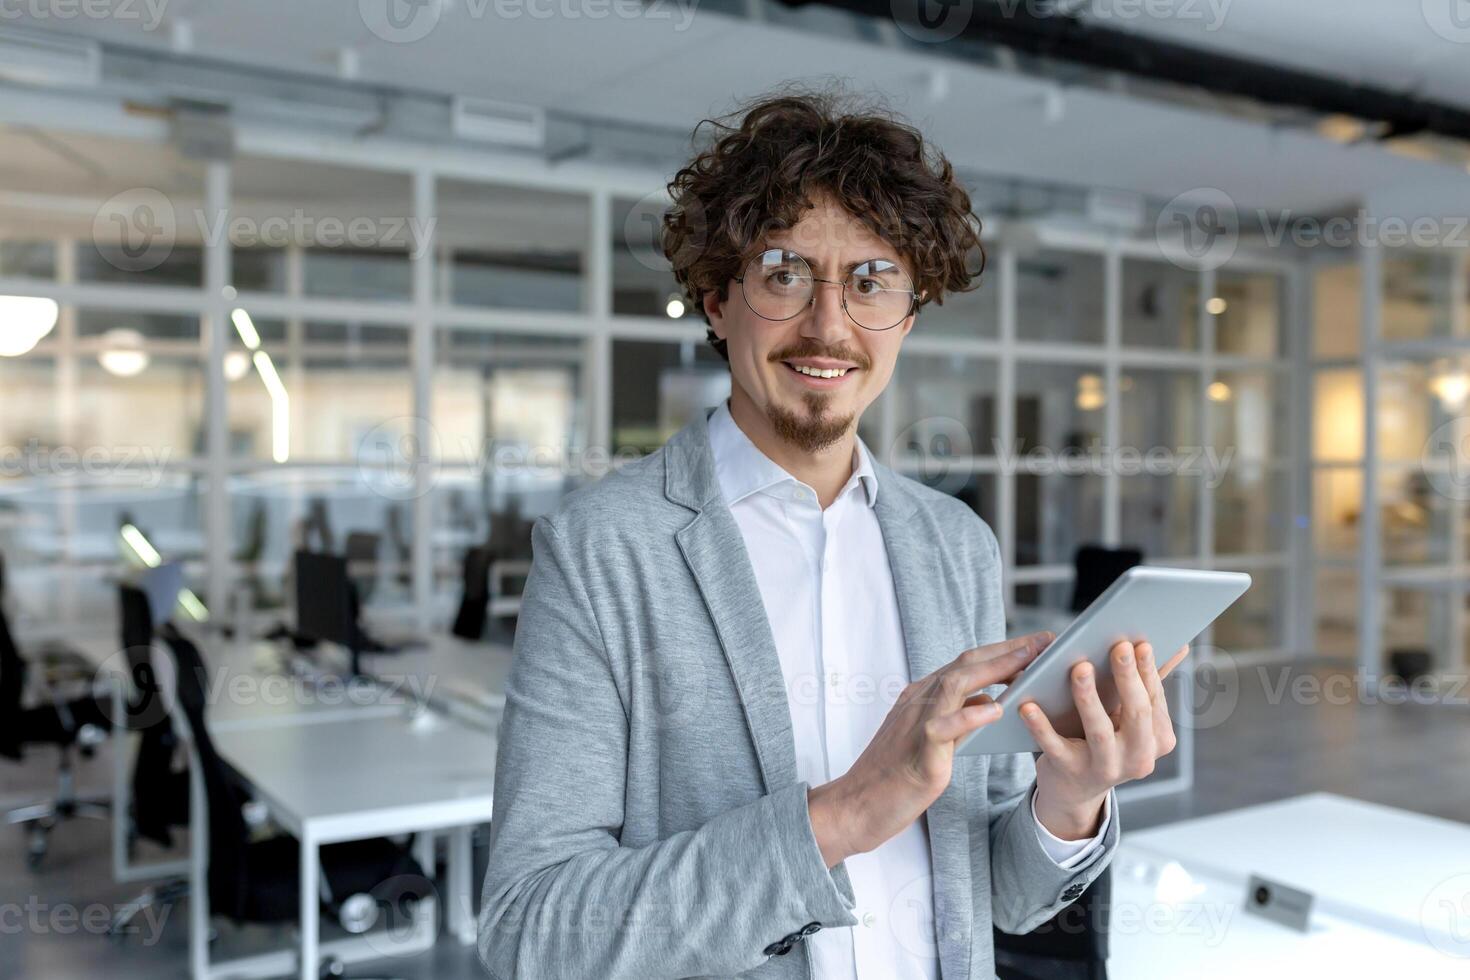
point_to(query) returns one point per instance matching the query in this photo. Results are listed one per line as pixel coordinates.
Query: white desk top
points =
(1167, 924)
(1374, 864)
(379, 772)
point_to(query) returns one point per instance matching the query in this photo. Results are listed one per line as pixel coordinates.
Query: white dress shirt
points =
(828, 592)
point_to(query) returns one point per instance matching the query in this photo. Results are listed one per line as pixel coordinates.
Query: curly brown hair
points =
(761, 174)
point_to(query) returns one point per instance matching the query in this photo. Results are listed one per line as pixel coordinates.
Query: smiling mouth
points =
(812, 372)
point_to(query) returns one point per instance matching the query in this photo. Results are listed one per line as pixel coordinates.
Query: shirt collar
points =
(742, 469)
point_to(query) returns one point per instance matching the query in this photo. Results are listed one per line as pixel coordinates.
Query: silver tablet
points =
(1169, 607)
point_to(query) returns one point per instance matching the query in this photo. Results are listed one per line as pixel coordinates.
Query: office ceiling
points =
(1415, 46)
(675, 63)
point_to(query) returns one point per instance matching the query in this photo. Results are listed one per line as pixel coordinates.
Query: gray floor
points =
(1270, 746)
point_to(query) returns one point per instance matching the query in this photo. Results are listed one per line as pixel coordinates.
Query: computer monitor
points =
(325, 610)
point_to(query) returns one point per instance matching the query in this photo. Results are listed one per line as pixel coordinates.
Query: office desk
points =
(450, 669)
(1386, 885)
(351, 779)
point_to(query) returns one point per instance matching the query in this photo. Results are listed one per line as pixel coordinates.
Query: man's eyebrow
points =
(875, 257)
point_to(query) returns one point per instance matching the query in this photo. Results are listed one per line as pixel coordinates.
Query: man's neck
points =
(826, 471)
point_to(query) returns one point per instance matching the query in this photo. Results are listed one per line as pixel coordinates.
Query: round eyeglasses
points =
(779, 284)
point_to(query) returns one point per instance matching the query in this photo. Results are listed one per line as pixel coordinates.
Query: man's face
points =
(768, 357)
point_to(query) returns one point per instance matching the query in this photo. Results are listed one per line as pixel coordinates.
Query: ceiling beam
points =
(1069, 38)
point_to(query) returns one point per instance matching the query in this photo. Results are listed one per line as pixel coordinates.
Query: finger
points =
(1174, 661)
(975, 699)
(1149, 671)
(1137, 710)
(1162, 725)
(1035, 642)
(957, 724)
(1095, 721)
(992, 665)
(1046, 736)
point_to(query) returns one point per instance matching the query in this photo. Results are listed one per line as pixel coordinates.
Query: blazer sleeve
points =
(1026, 886)
(562, 897)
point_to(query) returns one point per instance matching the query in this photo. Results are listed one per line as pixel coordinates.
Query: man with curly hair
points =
(744, 662)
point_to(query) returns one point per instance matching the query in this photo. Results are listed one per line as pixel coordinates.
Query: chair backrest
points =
(361, 552)
(228, 873)
(1096, 569)
(147, 713)
(319, 523)
(12, 683)
(469, 623)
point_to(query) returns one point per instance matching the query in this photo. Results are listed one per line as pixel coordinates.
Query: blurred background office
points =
(381, 282)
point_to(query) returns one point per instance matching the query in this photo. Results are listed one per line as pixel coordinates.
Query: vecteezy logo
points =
(1445, 459)
(1450, 19)
(135, 230)
(1445, 916)
(400, 21)
(1213, 688)
(932, 21)
(936, 450)
(391, 460)
(1198, 229)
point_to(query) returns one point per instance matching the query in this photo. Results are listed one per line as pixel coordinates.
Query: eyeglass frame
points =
(913, 294)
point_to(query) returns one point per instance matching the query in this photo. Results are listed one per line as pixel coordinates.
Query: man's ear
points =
(714, 309)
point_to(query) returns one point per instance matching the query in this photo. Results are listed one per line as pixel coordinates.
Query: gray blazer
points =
(648, 819)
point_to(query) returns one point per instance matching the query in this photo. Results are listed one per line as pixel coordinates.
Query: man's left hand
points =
(1074, 775)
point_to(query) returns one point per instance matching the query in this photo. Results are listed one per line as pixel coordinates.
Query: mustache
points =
(806, 347)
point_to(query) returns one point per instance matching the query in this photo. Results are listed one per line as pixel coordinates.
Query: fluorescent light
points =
(193, 606)
(675, 308)
(24, 320)
(280, 407)
(148, 555)
(141, 546)
(245, 327)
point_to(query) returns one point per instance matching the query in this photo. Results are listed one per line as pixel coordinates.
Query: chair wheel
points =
(36, 849)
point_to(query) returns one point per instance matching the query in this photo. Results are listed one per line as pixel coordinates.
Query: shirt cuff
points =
(1070, 853)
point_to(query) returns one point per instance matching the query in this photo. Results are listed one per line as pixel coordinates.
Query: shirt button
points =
(869, 919)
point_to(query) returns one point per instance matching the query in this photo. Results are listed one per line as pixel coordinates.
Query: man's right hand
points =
(910, 759)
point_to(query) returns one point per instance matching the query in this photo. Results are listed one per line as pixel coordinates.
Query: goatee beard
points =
(812, 432)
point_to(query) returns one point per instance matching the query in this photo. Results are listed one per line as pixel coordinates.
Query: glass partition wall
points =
(402, 363)
(1391, 360)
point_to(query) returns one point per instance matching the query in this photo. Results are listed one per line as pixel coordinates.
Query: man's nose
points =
(828, 321)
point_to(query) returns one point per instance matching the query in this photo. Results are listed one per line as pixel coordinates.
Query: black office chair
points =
(362, 561)
(402, 550)
(318, 524)
(256, 881)
(160, 792)
(72, 724)
(1096, 568)
(1071, 945)
(474, 603)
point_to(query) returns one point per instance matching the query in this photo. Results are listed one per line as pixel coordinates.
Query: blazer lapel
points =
(927, 640)
(715, 552)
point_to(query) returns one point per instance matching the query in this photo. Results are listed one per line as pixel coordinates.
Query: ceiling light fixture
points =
(24, 320)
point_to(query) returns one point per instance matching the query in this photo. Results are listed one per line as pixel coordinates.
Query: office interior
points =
(281, 278)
